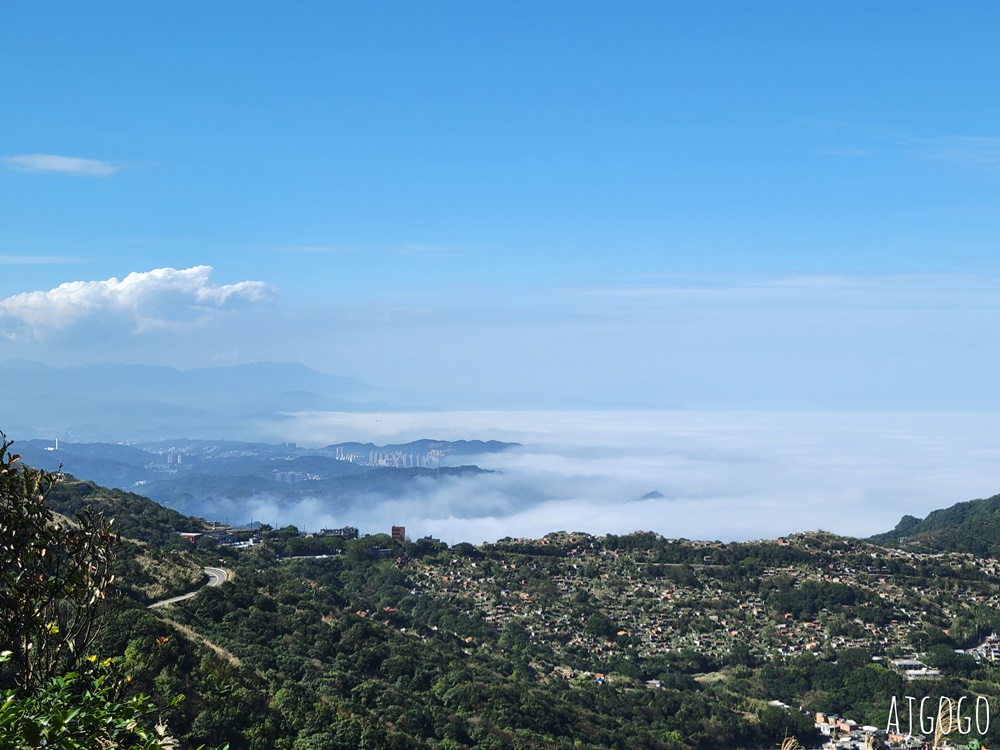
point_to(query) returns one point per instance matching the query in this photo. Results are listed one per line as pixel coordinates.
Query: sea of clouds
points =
(723, 475)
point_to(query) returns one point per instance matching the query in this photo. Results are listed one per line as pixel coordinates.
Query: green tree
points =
(55, 576)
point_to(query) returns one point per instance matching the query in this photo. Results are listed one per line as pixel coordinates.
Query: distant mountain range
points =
(143, 402)
(215, 479)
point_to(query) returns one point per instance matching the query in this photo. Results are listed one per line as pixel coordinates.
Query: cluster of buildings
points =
(393, 459)
(239, 538)
(988, 650)
(913, 669)
(710, 609)
(347, 532)
(294, 477)
(845, 733)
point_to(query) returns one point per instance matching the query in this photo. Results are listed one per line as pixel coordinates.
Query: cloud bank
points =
(158, 300)
(722, 475)
(71, 165)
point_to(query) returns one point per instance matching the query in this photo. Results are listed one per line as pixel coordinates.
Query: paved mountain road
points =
(216, 577)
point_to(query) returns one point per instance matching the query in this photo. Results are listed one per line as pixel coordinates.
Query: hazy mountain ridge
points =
(146, 402)
(219, 478)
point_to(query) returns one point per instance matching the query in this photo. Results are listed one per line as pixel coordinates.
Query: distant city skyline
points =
(568, 205)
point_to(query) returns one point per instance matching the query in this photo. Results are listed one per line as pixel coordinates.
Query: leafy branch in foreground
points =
(79, 712)
(55, 576)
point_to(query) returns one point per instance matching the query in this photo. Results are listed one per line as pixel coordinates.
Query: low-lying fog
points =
(723, 475)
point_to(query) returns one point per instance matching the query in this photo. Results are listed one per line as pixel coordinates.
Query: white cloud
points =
(162, 299)
(71, 165)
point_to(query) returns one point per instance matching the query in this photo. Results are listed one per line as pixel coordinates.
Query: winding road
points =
(216, 577)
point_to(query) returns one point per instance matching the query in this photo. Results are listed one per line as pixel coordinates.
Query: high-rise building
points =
(399, 534)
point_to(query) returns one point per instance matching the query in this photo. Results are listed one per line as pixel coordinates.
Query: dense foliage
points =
(972, 526)
(79, 711)
(55, 577)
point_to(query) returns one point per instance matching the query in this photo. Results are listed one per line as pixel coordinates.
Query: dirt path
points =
(194, 636)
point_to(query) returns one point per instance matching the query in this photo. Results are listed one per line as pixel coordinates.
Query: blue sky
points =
(728, 205)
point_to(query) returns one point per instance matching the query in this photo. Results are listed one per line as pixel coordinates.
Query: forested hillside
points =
(572, 640)
(972, 526)
(151, 562)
